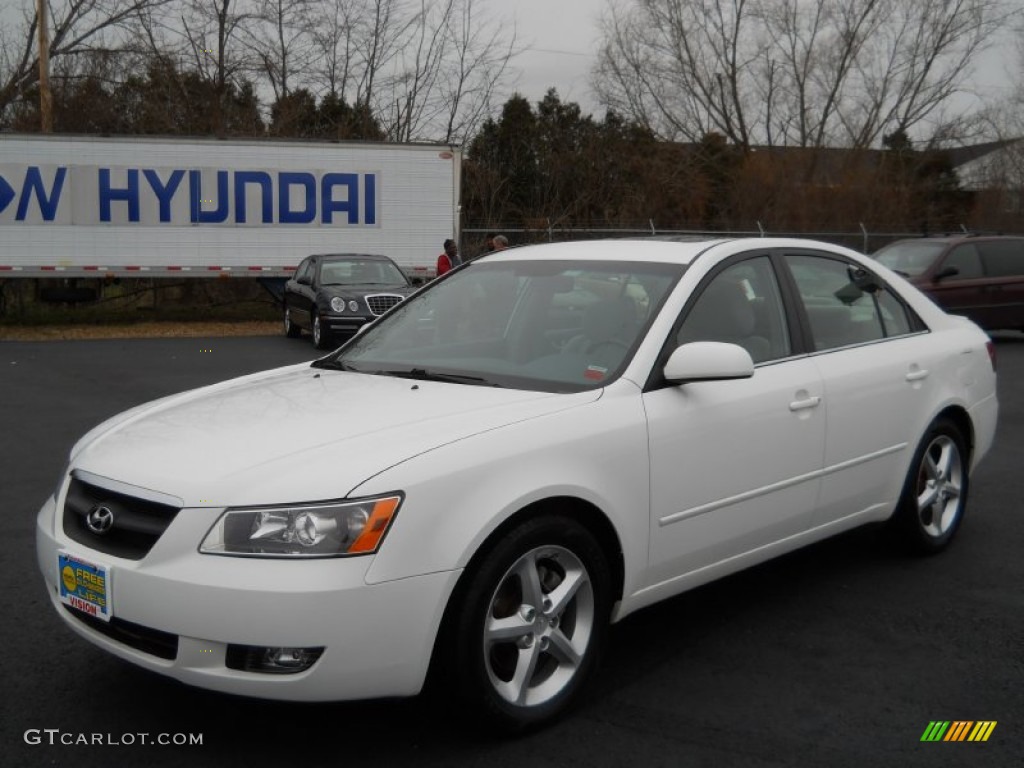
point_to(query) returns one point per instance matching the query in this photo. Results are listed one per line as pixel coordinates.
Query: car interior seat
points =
(724, 313)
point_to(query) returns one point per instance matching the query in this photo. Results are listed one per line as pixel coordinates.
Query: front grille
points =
(137, 523)
(379, 303)
(155, 642)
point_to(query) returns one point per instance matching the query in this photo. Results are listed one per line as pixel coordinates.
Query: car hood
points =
(296, 434)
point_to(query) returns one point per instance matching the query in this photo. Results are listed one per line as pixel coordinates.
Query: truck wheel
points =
(291, 330)
(531, 625)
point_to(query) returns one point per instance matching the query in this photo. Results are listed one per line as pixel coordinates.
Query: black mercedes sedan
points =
(334, 295)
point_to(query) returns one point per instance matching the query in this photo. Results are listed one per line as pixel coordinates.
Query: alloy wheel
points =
(939, 486)
(539, 624)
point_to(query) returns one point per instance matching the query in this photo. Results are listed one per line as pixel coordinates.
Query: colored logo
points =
(100, 519)
(958, 730)
(67, 575)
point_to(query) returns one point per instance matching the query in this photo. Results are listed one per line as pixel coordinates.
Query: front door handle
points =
(917, 375)
(809, 402)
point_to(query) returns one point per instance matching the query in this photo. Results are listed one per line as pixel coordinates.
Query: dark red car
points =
(979, 276)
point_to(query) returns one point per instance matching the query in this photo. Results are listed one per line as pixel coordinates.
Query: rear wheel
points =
(532, 624)
(934, 495)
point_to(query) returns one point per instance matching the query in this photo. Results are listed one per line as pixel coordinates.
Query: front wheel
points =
(321, 336)
(532, 623)
(291, 330)
(935, 492)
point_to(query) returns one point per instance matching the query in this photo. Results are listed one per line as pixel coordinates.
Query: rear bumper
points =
(984, 416)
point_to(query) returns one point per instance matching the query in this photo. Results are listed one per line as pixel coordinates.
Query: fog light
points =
(271, 660)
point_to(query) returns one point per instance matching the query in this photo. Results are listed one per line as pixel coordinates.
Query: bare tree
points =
(77, 27)
(790, 72)
(281, 39)
(449, 69)
(428, 69)
(333, 45)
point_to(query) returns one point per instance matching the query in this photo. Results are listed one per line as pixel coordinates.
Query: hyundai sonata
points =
(538, 444)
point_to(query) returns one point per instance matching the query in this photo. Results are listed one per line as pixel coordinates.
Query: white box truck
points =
(84, 206)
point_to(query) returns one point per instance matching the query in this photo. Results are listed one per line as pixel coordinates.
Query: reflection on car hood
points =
(296, 434)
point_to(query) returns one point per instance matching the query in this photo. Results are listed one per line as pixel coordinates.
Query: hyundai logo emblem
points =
(100, 519)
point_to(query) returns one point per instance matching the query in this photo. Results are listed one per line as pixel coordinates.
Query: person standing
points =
(449, 259)
(488, 243)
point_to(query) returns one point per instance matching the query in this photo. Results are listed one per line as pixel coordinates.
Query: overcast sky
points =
(560, 39)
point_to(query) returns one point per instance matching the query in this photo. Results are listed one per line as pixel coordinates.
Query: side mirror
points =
(304, 280)
(945, 272)
(708, 361)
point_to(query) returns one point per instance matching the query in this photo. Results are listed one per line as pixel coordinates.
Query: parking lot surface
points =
(838, 655)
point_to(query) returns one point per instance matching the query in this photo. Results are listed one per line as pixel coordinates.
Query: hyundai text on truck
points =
(76, 206)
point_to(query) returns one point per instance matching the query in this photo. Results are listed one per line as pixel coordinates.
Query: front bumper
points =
(345, 325)
(377, 638)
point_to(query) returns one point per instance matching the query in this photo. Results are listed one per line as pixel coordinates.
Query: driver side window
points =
(741, 305)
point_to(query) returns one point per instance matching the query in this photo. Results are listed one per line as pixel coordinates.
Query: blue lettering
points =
(129, 194)
(253, 177)
(370, 195)
(164, 192)
(199, 216)
(351, 205)
(284, 210)
(34, 184)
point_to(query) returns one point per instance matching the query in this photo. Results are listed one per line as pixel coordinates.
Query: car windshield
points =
(556, 326)
(358, 271)
(910, 257)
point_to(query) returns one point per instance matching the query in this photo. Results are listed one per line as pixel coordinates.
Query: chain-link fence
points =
(860, 239)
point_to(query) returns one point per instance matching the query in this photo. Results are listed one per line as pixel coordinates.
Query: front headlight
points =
(304, 530)
(338, 304)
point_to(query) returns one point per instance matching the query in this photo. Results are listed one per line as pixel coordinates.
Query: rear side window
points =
(840, 311)
(966, 260)
(1003, 258)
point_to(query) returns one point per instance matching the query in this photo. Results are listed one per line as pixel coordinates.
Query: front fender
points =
(457, 496)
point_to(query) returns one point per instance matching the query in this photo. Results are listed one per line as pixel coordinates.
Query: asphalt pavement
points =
(838, 655)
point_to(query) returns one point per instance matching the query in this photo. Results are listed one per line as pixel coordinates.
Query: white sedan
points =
(538, 444)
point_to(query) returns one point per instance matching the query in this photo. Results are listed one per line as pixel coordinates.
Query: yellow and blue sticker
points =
(84, 585)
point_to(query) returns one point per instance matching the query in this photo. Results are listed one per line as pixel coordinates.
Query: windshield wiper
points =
(422, 374)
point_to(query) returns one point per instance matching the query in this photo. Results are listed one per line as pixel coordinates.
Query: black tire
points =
(518, 659)
(934, 496)
(291, 330)
(321, 336)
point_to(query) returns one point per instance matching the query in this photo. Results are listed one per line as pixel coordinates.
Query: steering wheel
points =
(608, 343)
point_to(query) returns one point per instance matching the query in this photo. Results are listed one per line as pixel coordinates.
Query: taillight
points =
(991, 347)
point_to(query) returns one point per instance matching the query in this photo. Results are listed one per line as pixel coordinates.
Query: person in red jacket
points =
(449, 259)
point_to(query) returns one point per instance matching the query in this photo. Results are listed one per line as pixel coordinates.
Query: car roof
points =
(348, 256)
(681, 251)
